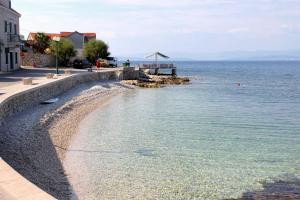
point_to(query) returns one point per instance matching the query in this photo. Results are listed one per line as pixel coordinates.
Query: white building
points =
(9, 37)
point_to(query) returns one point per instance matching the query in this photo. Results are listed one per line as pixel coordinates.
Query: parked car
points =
(101, 63)
(81, 64)
(112, 61)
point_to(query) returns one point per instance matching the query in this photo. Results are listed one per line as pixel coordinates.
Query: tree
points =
(95, 49)
(64, 49)
(41, 43)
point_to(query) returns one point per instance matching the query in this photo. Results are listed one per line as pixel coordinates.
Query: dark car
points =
(81, 64)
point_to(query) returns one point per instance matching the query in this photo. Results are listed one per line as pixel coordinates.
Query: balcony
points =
(13, 38)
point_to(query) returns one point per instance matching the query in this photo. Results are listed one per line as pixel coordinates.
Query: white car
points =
(112, 61)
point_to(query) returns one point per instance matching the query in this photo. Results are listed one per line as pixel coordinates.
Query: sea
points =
(232, 133)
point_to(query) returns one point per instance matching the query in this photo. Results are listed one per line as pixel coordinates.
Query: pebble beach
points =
(34, 142)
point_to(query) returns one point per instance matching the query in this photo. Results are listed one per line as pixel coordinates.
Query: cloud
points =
(170, 3)
(215, 23)
(238, 30)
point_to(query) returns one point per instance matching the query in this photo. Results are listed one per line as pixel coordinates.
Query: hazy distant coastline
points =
(289, 55)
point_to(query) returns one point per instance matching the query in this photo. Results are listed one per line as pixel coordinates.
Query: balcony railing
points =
(13, 37)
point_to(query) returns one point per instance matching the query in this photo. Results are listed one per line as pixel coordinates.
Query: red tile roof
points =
(89, 34)
(65, 34)
(61, 34)
(52, 35)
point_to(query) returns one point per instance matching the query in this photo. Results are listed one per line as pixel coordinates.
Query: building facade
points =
(9, 37)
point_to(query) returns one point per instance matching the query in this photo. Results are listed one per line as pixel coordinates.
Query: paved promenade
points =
(14, 187)
(11, 78)
(11, 83)
(17, 86)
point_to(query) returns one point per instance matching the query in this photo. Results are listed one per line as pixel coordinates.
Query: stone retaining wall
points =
(38, 60)
(29, 98)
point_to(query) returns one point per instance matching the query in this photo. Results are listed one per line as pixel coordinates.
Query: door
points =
(0, 58)
(11, 60)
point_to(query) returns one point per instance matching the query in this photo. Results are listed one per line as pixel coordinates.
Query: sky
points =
(179, 28)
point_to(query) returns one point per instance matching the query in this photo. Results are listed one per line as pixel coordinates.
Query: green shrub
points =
(64, 49)
(95, 49)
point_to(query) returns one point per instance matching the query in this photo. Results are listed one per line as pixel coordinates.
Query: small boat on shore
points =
(50, 101)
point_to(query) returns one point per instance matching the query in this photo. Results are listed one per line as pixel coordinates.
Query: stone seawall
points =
(31, 97)
(130, 73)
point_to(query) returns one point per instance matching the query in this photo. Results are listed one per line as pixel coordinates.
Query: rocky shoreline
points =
(155, 81)
(34, 142)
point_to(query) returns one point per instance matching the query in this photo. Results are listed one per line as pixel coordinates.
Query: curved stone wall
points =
(31, 97)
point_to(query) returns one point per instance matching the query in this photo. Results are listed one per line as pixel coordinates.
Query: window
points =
(16, 57)
(15, 28)
(6, 55)
(9, 4)
(10, 27)
(5, 26)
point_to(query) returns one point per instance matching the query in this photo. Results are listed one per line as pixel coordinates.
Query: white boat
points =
(50, 101)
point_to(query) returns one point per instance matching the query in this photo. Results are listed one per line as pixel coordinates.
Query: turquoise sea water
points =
(211, 139)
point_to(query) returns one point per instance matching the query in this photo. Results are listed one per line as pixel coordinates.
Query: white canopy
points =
(156, 55)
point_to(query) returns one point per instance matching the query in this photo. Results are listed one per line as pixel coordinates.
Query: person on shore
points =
(98, 64)
(128, 63)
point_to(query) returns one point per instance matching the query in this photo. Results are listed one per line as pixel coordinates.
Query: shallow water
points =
(212, 139)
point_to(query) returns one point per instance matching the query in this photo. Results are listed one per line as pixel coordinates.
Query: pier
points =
(157, 67)
(149, 75)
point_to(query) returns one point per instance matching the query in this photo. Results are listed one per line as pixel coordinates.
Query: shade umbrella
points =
(156, 55)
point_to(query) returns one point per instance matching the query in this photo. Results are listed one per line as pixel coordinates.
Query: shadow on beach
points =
(26, 145)
(288, 188)
(33, 155)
